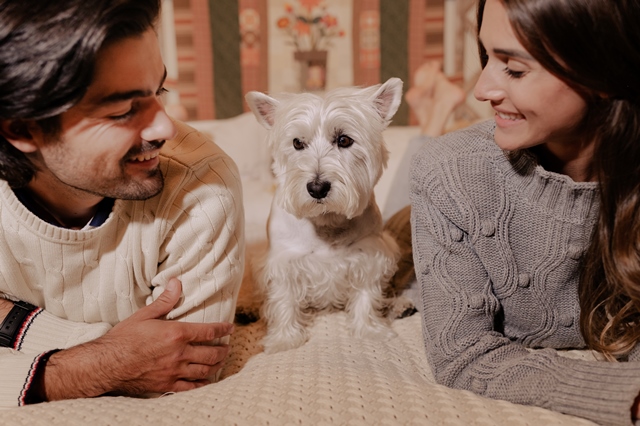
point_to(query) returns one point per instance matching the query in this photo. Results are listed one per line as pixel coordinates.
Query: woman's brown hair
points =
(594, 47)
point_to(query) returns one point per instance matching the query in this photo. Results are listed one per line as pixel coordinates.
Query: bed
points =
(334, 379)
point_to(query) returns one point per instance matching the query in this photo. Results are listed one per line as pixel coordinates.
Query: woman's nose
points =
(489, 87)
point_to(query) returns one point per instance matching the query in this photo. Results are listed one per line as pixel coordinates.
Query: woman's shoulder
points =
(474, 142)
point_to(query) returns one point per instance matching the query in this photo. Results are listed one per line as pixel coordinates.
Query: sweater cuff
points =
(601, 391)
(18, 372)
(28, 394)
(46, 331)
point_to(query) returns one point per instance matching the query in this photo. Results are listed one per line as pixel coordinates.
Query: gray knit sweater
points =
(497, 244)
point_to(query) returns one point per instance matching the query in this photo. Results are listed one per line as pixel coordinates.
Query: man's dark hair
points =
(48, 51)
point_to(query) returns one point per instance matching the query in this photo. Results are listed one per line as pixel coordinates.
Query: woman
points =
(526, 229)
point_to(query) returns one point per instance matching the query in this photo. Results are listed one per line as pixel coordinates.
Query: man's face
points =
(109, 142)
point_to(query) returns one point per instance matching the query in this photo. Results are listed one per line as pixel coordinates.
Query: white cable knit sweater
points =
(87, 281)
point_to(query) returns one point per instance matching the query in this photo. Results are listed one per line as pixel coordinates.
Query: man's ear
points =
(19, 134)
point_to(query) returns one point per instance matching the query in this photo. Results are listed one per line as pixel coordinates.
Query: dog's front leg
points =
(285, 317)
(369, 274)
(366, 320)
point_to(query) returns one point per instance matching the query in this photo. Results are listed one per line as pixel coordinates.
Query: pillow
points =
(244, 140)
(392, 192)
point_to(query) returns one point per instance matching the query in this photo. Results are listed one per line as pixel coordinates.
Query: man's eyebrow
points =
(131, 94)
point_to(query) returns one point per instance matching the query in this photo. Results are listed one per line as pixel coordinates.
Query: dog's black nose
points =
(318, 189)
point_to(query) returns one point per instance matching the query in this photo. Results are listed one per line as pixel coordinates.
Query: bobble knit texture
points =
(87, 281)
(497, 244)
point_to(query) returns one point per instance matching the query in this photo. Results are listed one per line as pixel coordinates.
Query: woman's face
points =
(532, 106)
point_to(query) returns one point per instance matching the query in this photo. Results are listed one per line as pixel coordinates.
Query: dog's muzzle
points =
(318, 189)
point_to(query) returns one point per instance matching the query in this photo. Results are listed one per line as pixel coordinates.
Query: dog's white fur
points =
(326, 251)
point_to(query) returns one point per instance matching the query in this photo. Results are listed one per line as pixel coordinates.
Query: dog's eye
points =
(297, 144)
(344, 141)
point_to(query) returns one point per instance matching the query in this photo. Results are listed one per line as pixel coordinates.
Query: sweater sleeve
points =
(43, 331)
(461, 316)
(18, 371)
(204, 247)
(39, 335)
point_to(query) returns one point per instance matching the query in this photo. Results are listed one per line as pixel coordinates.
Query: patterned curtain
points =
(223, 48)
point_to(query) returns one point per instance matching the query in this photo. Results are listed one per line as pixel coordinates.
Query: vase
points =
(313, 69)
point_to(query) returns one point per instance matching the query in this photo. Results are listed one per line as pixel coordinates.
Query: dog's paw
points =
(400, 307)
(279, 341)
(377, 329)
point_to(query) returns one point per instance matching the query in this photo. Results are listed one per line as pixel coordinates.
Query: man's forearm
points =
(74, 373)
(144, 353)
(5, 308)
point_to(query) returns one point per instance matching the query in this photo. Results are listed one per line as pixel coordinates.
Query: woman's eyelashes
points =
(513, 74)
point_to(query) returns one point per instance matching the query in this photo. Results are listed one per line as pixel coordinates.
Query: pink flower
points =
(302, 28)
(330, 20)
(283, 22)
(310, 4)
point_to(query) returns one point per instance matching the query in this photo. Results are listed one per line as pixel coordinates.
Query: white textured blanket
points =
(333, 379)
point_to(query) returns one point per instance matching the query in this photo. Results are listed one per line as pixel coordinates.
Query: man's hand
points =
(144, 353)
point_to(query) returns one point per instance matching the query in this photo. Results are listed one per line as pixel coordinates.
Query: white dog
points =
(327, 248)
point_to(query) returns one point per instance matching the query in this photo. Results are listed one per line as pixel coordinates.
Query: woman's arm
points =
(462, 319)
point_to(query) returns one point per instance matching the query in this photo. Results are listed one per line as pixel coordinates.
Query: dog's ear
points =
(263, 107)
(388, 97)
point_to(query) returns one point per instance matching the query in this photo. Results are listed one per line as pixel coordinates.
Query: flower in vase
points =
(309, 26)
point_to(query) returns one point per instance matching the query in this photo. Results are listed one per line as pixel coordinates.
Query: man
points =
(107, 231)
